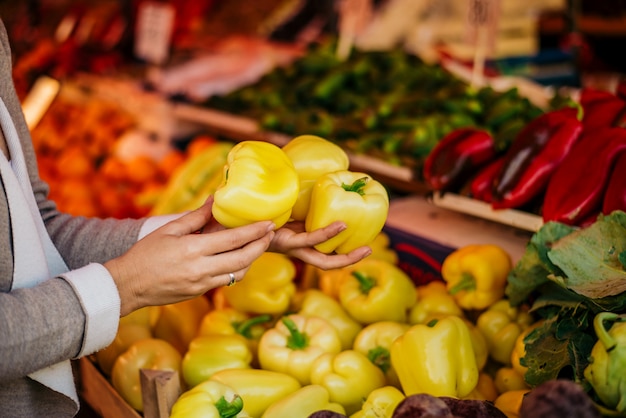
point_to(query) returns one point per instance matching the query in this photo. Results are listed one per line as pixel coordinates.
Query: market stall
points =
(493, 198)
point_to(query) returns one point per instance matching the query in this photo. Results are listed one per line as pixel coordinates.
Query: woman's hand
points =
(175, 262)
(294, 241)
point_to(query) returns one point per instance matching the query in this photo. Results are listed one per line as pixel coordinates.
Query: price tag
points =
(482, 26)
(39, 99)
(354, 15)
(153, 33)
(482, 16)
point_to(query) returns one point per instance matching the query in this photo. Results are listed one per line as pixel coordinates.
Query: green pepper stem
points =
(229, 409)
(605, 338)
(381, 357)
(297, 340)
(467, 282)
(367, 283)
(244, 328)
(357, 186)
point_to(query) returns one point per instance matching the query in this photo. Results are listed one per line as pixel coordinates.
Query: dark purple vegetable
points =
(558, 398)
(327, 414)
(422, 405)
(472, 408)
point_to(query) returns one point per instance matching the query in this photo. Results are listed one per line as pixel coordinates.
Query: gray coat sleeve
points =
(43, 325)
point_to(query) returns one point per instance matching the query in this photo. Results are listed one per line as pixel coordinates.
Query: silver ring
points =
(232, 279)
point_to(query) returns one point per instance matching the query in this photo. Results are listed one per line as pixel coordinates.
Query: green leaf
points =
(532, 270)
(589, 258)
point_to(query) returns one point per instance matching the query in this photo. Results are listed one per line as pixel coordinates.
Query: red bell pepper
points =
(482, 184)
(615, 194)
(456, 155)
(601, 108)
(577, 187)
(535, 154)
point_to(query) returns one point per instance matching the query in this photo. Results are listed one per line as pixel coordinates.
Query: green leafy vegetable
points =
(589, 258)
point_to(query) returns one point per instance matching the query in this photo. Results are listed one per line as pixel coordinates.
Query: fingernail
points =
(271, 227)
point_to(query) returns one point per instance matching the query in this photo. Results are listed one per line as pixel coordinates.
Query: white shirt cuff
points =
(100, 300)
(155, 222)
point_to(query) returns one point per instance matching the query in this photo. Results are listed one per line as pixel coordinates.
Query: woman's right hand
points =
(177, 262)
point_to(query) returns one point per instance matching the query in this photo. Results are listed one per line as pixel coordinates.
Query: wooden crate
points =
(160, 389)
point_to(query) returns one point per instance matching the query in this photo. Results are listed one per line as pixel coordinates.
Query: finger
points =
(237, 261)
(190, 222)
(233, 238)
(332, 261)
(318, 236)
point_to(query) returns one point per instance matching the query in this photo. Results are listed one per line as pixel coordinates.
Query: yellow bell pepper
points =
(178, 323)
(507, 379)
(354, 198)
(317, 303)
(312, 157)
(380, 403)
(230, 321)
(501, 324)
(212, 353)
(381, 249)
(209, 399)
(481, 354)
(151, 353)
(375, 290)
(266, 288)
(374, 341)
(259, 183)
(257, 387)
(436, 358)
(433, 300)
(348, 376)
(127, 334)
(476, 275)
(295, 342)
(302, 403)
(510, 402)
(328, 281)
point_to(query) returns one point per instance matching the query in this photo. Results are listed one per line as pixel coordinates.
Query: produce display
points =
(366, 341)
(541, 172)
(389, 104)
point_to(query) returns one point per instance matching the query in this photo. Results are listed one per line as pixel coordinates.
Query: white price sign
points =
(153, 34)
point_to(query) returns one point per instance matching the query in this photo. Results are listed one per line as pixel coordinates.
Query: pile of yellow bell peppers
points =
(281, 345)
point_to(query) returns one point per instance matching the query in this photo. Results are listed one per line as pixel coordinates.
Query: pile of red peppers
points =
(568, 164)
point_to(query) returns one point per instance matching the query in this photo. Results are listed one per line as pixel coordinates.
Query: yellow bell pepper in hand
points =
(295, 342)
(260, 183)
(476, 275)
(151, 353)
(354, 198)
(433, 300)
(209, 399)
(317, 303)
(380, 403)
(374, 341)
(501, 324)
(348, 376)
(266, 288)
(436, 358)
(302, 403)
(211, 353)
(312, 157)
(257, 387)
(375, 290)
(178, 323)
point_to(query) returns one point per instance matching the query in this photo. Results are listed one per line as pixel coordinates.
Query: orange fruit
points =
(113, 169)
(141, 169)
(170, 163)
(74, 162)
(199, 144)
